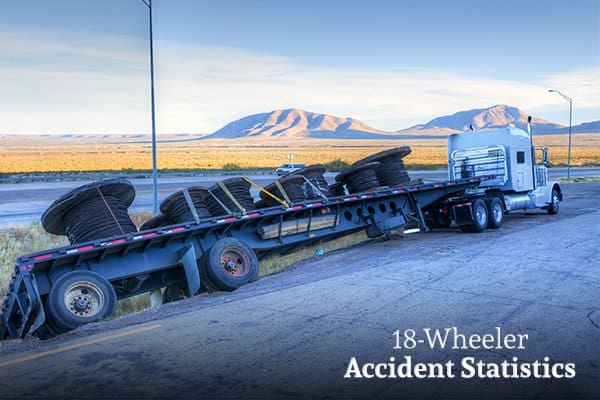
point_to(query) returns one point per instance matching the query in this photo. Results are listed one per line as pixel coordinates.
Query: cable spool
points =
(94, 211)
(314, 174)
(176, 208)
(337, 189)
(293, 185)
(360, 179)
(391, 170)
(157, 221)
(260, 204)
(239, 189)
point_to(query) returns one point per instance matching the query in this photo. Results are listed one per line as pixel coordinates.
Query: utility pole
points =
(148, 4)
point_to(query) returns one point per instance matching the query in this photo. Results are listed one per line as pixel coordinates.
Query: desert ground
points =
(106, 153)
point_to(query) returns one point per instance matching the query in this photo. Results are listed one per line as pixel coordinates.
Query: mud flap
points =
(187, 258)
(463, 213)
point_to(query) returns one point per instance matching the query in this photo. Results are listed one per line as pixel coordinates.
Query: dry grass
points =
(15, 242)
(214, 154)
(585, 179)
(140, 217)
(275, 264)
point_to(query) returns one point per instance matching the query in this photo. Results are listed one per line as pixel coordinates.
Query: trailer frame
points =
(157, 258)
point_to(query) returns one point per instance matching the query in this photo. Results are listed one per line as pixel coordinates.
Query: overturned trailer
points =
(58, 290)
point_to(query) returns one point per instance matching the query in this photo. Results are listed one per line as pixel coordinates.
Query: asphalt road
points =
(24, 203)
(292, 335)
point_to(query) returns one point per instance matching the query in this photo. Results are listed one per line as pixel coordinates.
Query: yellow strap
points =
(228, 193)
(282, 191)
(262, 189)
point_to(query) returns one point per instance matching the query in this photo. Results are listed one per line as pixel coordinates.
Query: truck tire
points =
(231, 263)
(206, 283)
(480, 216)
(554, 202)
(495, 211)
(78, 298)
(173, 293)
(47, 330)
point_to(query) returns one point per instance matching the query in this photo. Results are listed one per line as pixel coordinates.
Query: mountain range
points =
(297, 123)
(293, 123)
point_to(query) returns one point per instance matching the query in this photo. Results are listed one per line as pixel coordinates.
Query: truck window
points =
(520, 157)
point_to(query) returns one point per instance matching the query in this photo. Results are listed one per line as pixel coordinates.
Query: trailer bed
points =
(156, 258)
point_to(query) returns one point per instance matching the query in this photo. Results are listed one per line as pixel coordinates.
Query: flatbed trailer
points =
(148, 260)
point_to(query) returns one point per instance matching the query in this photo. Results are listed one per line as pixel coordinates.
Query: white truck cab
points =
(509, 155)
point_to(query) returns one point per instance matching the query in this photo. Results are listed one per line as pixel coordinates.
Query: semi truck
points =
(53, 291)
(518, 183)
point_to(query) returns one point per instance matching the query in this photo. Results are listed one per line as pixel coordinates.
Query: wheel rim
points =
(84, 299)
(555, 200)
(481, 215)
(497, 212)
(235, 262)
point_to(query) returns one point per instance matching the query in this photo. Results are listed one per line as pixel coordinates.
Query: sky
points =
(82, 66)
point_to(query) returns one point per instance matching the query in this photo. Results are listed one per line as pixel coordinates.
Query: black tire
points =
(206, 283)
(554, 202)
(173, 293)
(495, 211)
(231, 263)
(480, 216)
(47, 330)
(78, 298)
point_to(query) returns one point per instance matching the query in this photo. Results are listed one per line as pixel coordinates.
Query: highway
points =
(292, 335)
(24, 203)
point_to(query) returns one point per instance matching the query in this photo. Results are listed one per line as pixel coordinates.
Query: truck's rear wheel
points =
(174, 292)
(78, 298)
(495, 213)
(554, 202)
(231, 263)
(47, 330)
(480, 216)
(206, 282)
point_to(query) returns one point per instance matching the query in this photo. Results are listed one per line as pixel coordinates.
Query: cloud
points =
(582, 85)
(57, 83)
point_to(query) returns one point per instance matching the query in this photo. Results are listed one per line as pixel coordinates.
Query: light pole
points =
(148, 3)
(570, 100)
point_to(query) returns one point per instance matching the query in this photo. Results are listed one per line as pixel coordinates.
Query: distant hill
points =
(296, 123)
(497, 116)
(586, 127)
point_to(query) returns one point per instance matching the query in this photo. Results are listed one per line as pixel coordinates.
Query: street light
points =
(148, 3)
(570, 100)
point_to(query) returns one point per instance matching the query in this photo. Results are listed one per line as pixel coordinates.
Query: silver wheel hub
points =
(481, 216)
(497, 211)
(84, 299)
(230, 266)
